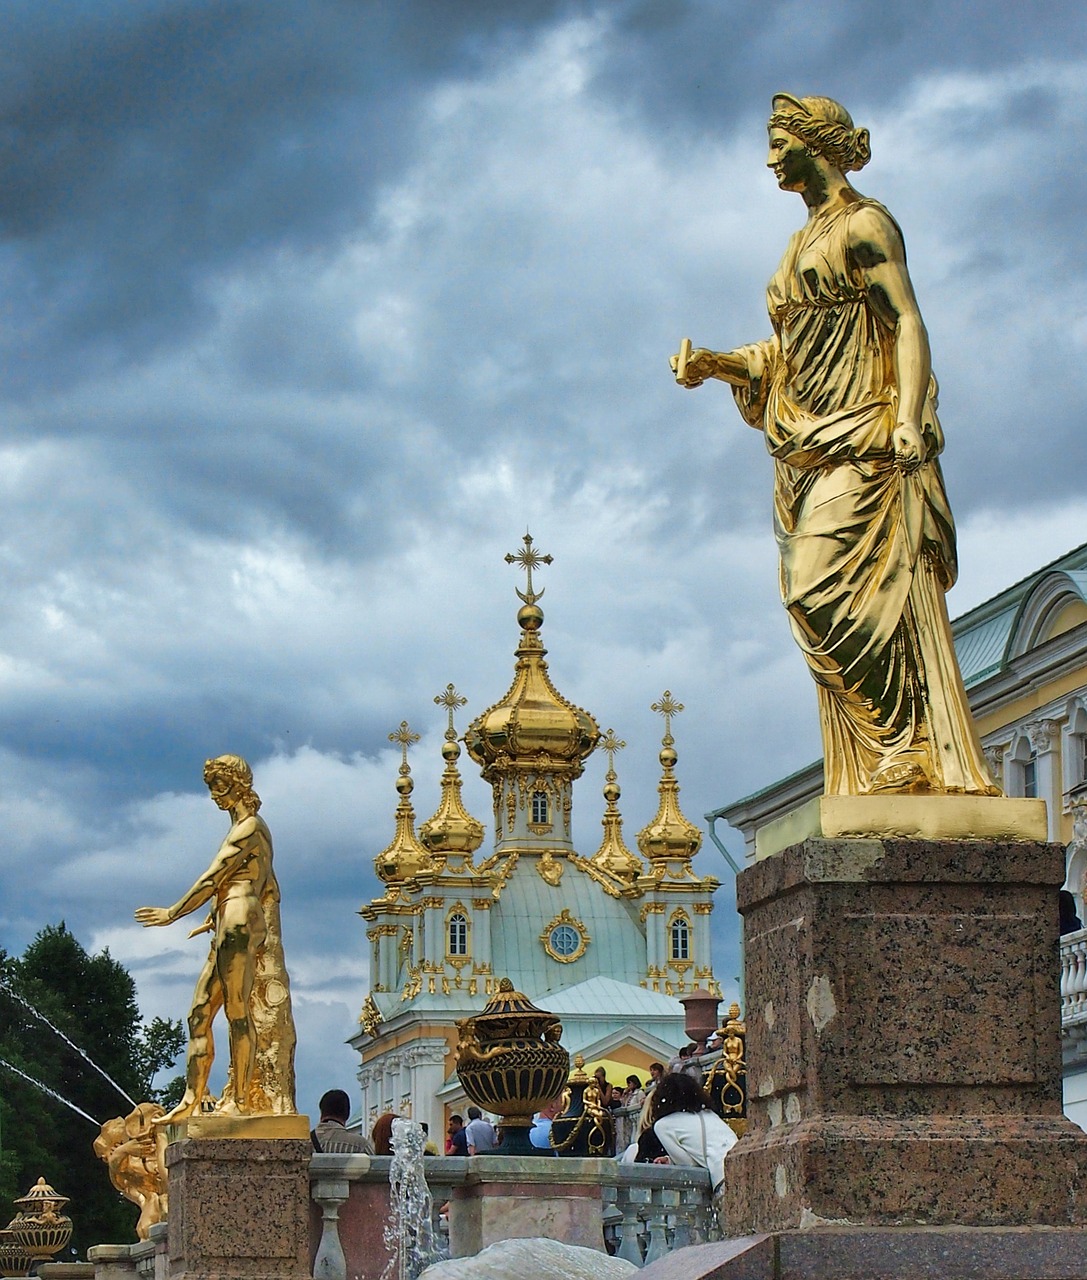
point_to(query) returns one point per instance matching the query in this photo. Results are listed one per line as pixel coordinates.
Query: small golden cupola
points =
(532, 745)
(452, 835)
(613, 858)
(669, 842)
(405, 858)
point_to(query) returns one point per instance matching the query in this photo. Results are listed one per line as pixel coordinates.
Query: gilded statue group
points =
(844, 395)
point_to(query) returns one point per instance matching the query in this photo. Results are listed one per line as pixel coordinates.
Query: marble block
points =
(903, 1039)
(239, 1208)
(518, 1197)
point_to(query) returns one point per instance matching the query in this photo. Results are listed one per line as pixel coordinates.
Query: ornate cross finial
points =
(667, 707)
(528, 558)
(451, 700)
(405, 738)
(611, 744)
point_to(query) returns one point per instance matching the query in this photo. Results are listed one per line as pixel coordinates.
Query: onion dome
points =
(533, 724)
(405, 857)
(452, 829)
(669, 837)
(613, 858)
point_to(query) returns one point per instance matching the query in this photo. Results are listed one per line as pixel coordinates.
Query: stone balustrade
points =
(643, 1211)
(1074, 979)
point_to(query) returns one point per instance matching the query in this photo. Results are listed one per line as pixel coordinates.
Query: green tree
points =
(92, 1000)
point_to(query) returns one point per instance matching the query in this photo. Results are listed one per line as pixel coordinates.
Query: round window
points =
(565, 940)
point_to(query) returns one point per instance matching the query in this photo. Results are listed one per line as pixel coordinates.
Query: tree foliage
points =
(92, 1000)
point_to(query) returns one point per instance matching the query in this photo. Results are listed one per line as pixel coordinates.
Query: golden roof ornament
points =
(613, 857)
(533, 726)
(669, 838)
(405, 857)
(452, 830)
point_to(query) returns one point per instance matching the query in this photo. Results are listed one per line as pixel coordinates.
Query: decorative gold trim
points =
(702, 908)
(482, 904)
(565, 918)
(370, 1018)
(651, 909)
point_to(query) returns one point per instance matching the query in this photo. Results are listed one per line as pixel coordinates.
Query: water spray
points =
(52, 1094)
(71, 1045)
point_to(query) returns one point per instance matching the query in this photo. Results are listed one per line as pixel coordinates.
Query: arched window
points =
(458, 935)
(681, 939)
(1023, 775)
(541, 809)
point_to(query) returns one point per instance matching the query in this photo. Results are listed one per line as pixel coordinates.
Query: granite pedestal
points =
(903, 1037)
(239, 1208)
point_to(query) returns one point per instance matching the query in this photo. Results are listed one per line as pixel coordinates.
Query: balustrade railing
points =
(1074, 979)
(648, 1210)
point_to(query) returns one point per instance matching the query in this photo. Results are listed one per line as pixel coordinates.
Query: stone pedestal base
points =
(904, 1040)
(239, 1208)
(514, 1198)
(891, 1253)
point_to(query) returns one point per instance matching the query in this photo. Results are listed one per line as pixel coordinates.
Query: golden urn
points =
(39, 1228)
(14, 1259)
(510, 1062)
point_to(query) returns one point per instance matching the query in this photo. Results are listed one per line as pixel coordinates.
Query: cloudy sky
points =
(311, 307)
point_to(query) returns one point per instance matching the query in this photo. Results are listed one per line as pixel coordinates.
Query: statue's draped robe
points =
(867, 551)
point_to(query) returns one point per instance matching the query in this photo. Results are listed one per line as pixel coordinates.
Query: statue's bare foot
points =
(905, 775)
(228, 1107)
(182, 1111)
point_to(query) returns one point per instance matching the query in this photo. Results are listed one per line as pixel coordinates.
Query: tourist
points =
(430, 1147)
(540, 1133)
(382, 1134)
(609, 1095)
(332, 1134)
(689, 1130)
(633, 1095)
(456, 1139)
(656, 1071)
(479, 1133)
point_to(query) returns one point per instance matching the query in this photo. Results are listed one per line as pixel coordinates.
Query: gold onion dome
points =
(669, 837)
(533, 724)
(452, 829)
(613, 857)
(405, 857)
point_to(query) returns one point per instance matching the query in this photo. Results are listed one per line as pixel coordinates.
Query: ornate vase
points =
(14, 1259)
(509, 1061)
(585, 1127)
(39, 1227)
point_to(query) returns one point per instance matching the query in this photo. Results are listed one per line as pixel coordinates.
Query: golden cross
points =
(528, 558)
(611, 745)
(668, 708)
(405, 738)
(451, 700)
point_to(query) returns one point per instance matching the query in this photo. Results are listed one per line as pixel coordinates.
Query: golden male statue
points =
(244, 973)
(844, 395)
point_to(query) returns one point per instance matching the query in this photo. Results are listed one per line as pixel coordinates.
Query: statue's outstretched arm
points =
(692, 368)
(202, 891)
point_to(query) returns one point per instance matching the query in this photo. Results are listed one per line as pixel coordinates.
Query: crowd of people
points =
(676, 1121)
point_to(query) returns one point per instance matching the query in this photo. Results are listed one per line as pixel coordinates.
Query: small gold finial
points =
(528, 558)
(506, 984)
(611, 744)
(451, 700)
(668, 708)
(404, 737)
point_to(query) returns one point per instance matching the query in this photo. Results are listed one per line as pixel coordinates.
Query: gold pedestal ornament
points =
(510, 1062)
(134, 1150)
(39, 1228)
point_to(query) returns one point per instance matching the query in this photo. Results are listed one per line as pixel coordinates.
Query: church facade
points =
(608, 942)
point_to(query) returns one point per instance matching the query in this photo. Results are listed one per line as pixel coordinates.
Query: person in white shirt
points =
(690, 1131)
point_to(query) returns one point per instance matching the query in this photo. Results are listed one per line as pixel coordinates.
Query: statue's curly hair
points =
(825, 127)
(236, 770)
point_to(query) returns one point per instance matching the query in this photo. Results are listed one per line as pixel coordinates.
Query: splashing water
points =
(71, 1045)
(46, 1089)
(409, 1233)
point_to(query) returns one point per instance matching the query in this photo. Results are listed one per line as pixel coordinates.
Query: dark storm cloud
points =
(145, 146)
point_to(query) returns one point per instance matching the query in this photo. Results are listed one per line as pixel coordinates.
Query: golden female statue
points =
(844, 394)
(244, 974)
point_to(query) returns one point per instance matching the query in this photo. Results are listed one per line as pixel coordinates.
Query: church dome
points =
(533, 724)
